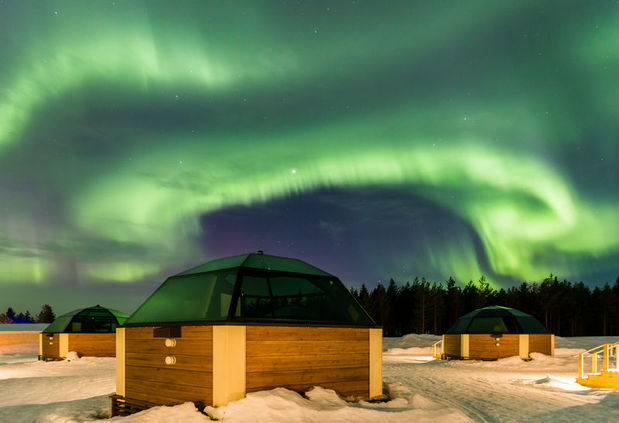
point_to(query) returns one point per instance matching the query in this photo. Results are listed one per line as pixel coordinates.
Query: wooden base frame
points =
(216, 364)
(495, 346)
(55, 346)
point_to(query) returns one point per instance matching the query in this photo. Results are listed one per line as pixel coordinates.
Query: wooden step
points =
(605, 379)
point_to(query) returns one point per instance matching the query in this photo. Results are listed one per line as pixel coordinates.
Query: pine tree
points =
(10, 315)
(364, 297)
(454, 301)
(46, 315)
(379, 308)
(392, 324)
(566, 308)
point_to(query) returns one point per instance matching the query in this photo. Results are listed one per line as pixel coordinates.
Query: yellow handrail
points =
(595, 348)
(607, 353)
(435, 346)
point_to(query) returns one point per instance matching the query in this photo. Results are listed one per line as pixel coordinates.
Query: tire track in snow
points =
(484, 393)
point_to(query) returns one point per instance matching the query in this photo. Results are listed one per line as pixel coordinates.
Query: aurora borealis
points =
(427, 139)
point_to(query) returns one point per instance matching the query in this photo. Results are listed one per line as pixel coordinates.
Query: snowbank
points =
(323, 405)
(410, 340)
(320, 405)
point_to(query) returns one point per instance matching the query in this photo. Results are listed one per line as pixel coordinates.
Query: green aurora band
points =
(121, 123)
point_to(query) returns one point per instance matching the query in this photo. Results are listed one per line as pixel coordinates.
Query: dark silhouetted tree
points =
(10, 315)
(46, 315)
(565, 308)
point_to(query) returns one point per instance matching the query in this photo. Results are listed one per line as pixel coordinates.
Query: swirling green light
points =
(484, 117)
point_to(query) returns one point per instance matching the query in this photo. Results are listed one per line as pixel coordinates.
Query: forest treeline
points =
(45, 316)
(565, 308)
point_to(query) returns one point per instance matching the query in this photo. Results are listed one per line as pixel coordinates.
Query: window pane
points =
(255, 286)
(221, 296)
(256, 299)
(288, 285)
(488, 325)
(93, 321)
(189, 298)
(311, 298)
(531, 325)
(460, 325)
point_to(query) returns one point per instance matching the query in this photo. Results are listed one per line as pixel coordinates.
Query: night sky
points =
(436, 139)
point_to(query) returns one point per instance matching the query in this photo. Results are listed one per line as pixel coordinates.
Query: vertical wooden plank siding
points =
(93, 344)
(451, 345)
(228, 364)
(120, 361)
(541, 343)
(523, 346)
(484, 346)
(376, 362)
(298, 358)
(50, 345)
(189, 377)
(19, 337)
(40, 346)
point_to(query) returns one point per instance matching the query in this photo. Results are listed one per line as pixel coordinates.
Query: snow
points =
(411, 348)
(421, 390)
(71, 356)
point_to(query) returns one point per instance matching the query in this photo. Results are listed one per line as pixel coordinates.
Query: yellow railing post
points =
(605, 358)
(607, 351)
(594, 363)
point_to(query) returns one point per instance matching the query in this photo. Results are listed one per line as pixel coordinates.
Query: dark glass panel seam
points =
(271, 295)
(235, 293)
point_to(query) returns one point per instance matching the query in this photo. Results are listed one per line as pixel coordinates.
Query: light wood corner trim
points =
(120, 361)
(376, 362)
(229, 363)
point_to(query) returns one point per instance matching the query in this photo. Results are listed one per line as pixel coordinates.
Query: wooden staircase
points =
(608, 374)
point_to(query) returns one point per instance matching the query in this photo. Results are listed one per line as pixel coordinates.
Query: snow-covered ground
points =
(423, 390)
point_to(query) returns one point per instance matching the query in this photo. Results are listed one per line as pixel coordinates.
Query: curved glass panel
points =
(296, 297)
(93, 321)
(531, 325)
(58, 325)
(282, 264)
(215, 265)
(488, 325)
(460, 325)
(204, 296)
